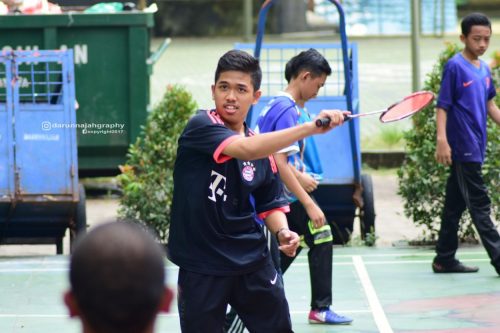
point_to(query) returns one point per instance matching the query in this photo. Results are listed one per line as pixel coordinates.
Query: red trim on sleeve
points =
(284, 209)
(274, 167)
(219, 157)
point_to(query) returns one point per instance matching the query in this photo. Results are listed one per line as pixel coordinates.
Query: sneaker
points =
(456, 268)
(327, 316)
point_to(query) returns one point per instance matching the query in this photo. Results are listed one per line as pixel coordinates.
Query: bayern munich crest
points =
(248, 171)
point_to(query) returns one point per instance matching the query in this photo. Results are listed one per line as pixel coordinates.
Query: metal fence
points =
(274, 56)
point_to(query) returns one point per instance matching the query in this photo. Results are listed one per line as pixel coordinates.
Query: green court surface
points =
(383, 289)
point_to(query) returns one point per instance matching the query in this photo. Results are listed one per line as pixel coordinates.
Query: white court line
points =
(172, 314)
(377, 310)
(33, 262)
(389, 262)
(13, 315)
(305, 264)
(32, 270)
(429, 254)
(301, 312)
(172, 267)
(62, 269)
(35, 315)
(50, 261)
(406, 262)
(300, 258)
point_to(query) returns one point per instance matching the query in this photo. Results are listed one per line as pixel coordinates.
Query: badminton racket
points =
(405, 108)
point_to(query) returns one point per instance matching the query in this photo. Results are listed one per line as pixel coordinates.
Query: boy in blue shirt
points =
(465, 100)
(300, 170)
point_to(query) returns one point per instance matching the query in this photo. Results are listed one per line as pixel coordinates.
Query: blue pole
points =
(261, 27)
(348, 91)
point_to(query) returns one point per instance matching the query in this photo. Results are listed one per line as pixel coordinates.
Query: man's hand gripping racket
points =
(330, 119)
(407, 107)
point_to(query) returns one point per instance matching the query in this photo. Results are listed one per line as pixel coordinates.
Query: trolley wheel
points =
(367, 212)
(342, 229)
(59, 245)
(79, 222)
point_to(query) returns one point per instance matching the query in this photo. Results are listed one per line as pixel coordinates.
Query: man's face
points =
(312, 86)
(478, 40)
(233, 94)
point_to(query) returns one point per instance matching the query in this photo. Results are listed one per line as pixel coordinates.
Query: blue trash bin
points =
(40, 197)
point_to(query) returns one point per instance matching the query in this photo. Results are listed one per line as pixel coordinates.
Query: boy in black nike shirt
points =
(214, 239)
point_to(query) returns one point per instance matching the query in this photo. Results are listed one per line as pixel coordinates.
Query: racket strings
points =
(407, 107)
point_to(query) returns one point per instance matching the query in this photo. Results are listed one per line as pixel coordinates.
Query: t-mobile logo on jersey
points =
(217, 186)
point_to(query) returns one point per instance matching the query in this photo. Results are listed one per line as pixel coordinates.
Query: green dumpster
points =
(113, 64)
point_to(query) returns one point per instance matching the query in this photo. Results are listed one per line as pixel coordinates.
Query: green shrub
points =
(147, 177)
(391, 136)
(422, 180)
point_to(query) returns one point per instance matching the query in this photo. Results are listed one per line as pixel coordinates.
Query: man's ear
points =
(305, 75)
(256, 96)
(71, 305)
(166, 300)
(213, 92)
(462, 38)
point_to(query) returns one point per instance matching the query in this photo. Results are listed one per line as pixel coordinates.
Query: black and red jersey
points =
(216, 198)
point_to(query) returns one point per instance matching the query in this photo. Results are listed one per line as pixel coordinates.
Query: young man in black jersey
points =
(224, 175)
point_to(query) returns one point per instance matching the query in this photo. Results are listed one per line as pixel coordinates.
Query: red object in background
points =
(29, 7)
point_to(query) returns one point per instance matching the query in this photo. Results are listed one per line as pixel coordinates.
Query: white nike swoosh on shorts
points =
(273, 281)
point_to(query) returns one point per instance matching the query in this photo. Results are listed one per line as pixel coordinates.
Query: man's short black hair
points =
(237, 60)
(117, 277)
(474, 19)
(310, 60)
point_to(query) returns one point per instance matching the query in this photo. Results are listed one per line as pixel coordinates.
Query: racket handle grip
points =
(323, 122)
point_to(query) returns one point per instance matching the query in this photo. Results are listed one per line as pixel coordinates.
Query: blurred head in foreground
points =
(117, 280)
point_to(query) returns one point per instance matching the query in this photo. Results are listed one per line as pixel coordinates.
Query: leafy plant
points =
(391, 136)
(422, 180)
(147, 177)
(356, 241)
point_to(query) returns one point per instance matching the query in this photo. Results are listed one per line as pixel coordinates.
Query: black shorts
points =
(258, 297)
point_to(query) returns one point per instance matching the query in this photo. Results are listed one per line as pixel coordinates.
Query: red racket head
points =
(407, 107)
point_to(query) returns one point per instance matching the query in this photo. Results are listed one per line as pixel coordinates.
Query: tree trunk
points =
(291, 16)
